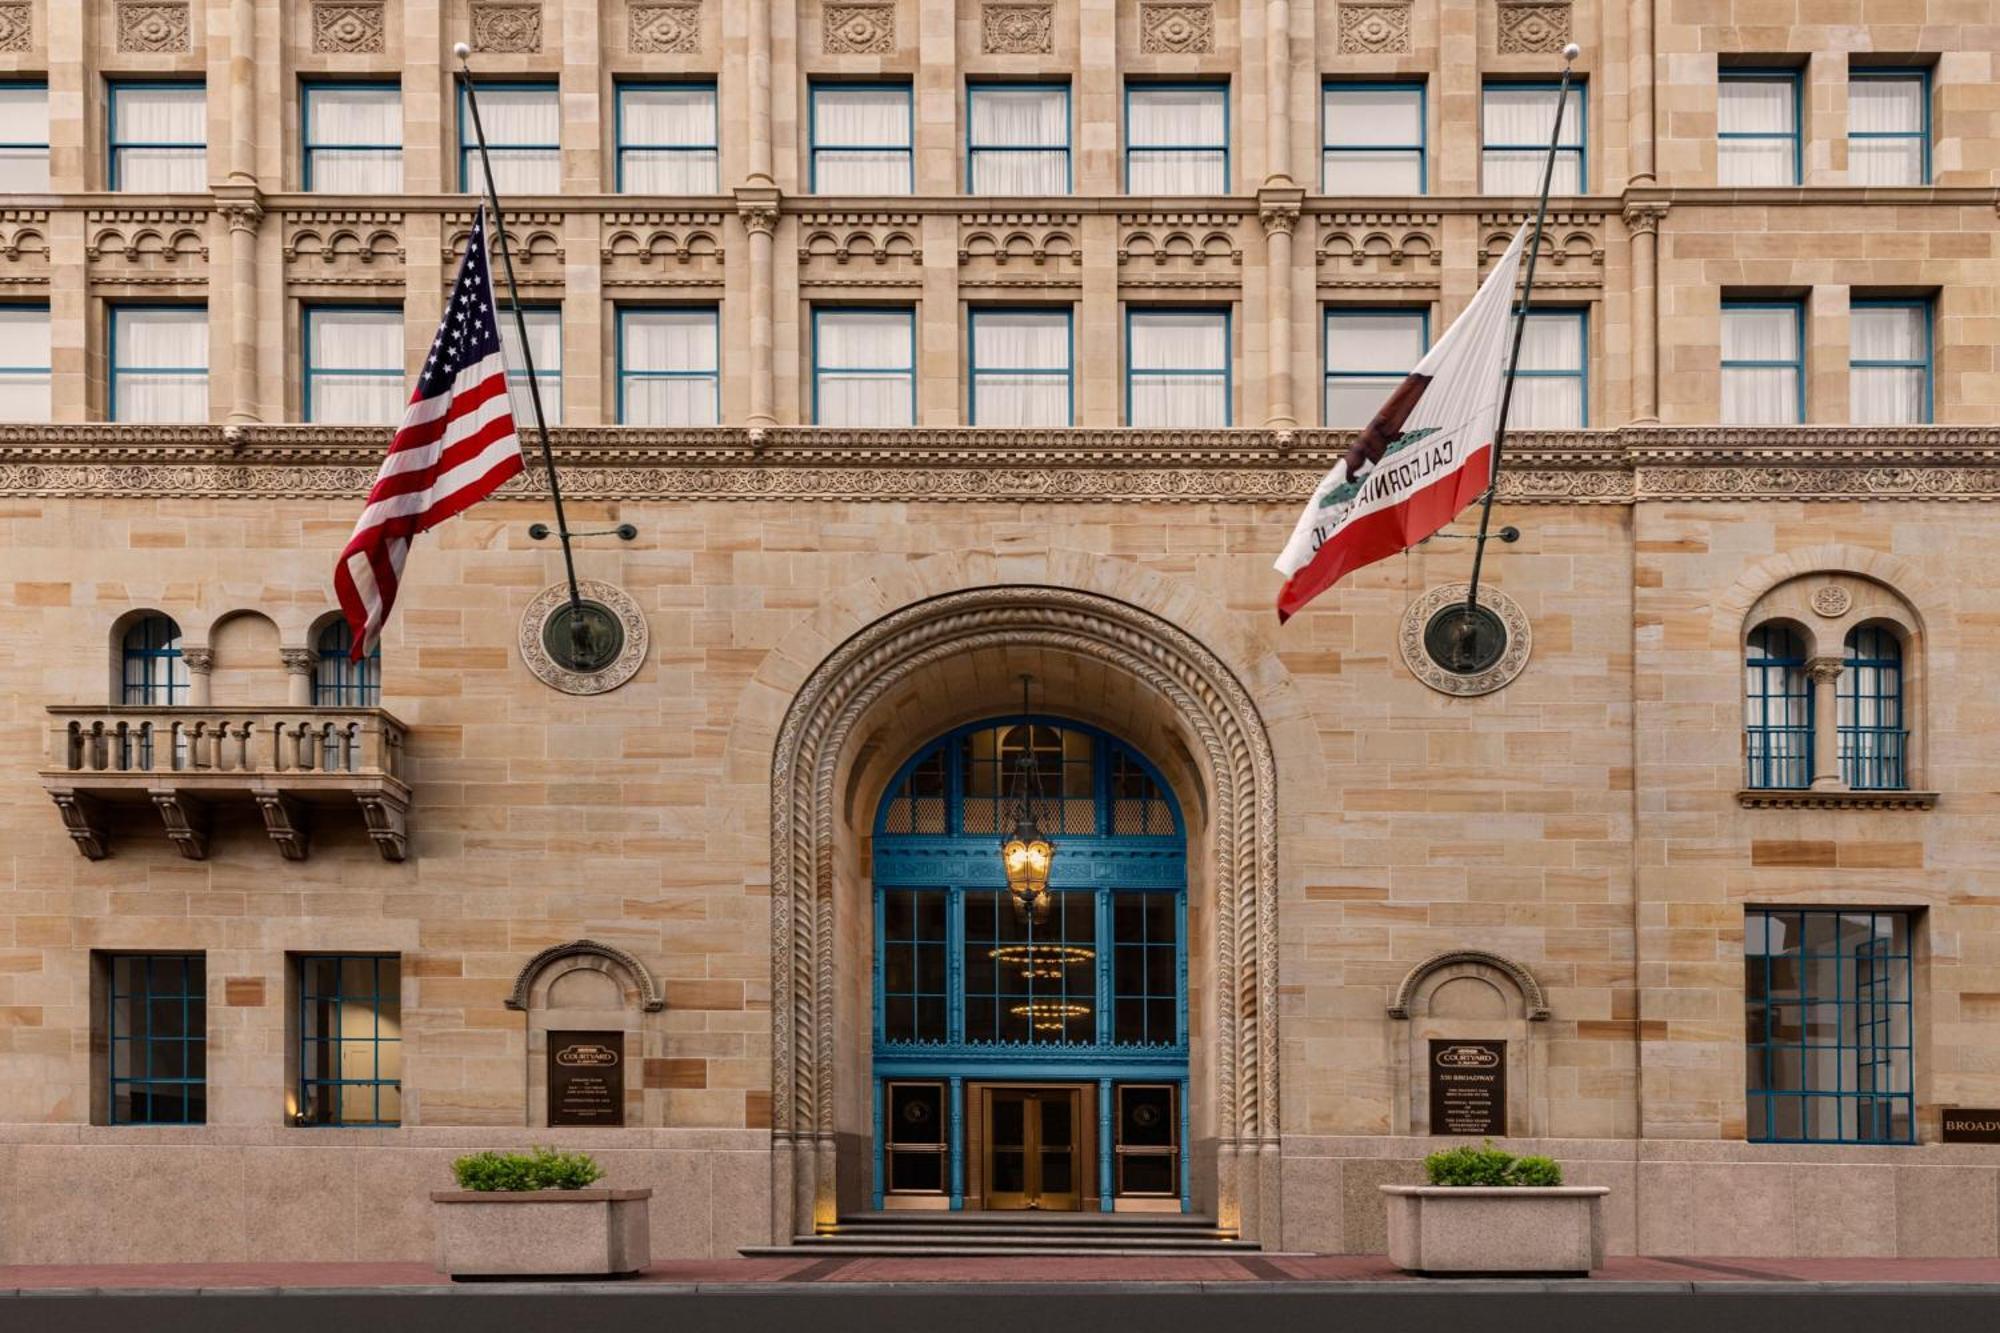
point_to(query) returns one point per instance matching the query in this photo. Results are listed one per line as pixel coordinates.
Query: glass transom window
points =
(1763, 379)
(668, 139)
(159, 363)
(24, 138)
(1757, 127)
(1177, 368)
(1888, 127)
(668, 367)
(864, 368)
(159, 137)
(24, 363)
(1369, 353)
(354, 138)
(1021, 373)
(1889, 366)
(354, 366)
(1517, 120)
(1177, 139)
(861, 139)
(1374, 138)
(523, 137)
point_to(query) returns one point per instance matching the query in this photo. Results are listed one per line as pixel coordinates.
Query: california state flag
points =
(1427, 454)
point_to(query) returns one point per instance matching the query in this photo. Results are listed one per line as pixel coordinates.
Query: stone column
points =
(758, 207)
(300, 664)
(1277, 101)
(243, 215)
(1642, 225)
(759, 89)
(1278, 210)
(242, 93)
(1639, 79)
(200, 663)
(1824, 672)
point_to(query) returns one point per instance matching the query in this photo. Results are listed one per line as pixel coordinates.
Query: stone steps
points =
(1026, 1233)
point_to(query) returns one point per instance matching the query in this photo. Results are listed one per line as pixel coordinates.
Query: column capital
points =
(1824, 670)
(758, 207)
(1644, 216)
(242, 209)
(199, 661)
(298, 661)
(1278, 209)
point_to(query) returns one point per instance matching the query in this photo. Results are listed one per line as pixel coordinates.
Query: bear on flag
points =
(1426, 455)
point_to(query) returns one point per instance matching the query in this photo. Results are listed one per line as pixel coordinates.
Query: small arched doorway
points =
(1030, 1059)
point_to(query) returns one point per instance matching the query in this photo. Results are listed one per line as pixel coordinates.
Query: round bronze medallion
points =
(1465, 640)
(584, 637)
(1462, 650)
(591, 649)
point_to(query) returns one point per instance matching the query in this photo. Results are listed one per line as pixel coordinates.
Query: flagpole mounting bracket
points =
(624, 532)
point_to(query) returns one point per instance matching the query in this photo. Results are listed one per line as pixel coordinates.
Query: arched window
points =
(1778, 708)
(154, 671)
(1871, 711)
(339, 681)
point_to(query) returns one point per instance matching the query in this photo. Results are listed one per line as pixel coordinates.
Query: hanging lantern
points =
(1027, 855)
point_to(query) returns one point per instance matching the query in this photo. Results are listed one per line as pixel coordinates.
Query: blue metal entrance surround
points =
(1121, 844)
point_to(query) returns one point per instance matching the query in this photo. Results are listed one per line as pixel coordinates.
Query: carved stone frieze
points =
(1177, 29)
(667, 28)
(1533, 27)
(1181, 242)
(839, 239)
(24, 246)
(662, 248)
(1572, 250)
(146, 27)
(1416, 656)
(506, 27)
(17, 31)
(344, 246)
(1017, 29)
(1375, 29)
(858, 29)
(349, 27)
(130, 244)
(1363, 248)
(534, 239)
(1038, 247)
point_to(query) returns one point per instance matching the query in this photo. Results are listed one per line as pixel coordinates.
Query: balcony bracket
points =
(387, 814)
(83, 817)
(186, 820)
(285, 821)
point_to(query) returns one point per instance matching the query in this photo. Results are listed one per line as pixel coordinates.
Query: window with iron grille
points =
(156, 1030)
(350, 1040)
(338, 680)
(1872, 734)
(1778, 709)
(154, 670)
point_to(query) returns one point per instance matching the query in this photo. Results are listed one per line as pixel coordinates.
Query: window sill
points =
(1788, 798)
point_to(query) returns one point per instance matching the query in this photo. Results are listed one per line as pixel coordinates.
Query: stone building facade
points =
(1588, 857)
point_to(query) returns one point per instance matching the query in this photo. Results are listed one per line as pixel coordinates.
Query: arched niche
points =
(246, 666)
(586, 986)
(1469, 994)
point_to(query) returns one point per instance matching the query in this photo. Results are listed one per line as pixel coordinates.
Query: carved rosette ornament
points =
(148, 28)
(1179, 30)
(543, 665)
(1017, 30)
(1534, 27)
(1371, 30)
(507, 28)
(16, 28)
(858, 30)
(348, 29)
(671, 28)
(1831, 601)
(1416, 654)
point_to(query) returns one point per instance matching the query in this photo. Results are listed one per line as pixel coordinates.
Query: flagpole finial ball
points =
(462, 51)
(1571, 52)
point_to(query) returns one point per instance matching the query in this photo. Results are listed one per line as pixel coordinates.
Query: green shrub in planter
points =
(541, 1169)
(1489, 1166)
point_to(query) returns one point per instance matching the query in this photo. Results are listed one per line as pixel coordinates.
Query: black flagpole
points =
(578, 628)
(1570, 53)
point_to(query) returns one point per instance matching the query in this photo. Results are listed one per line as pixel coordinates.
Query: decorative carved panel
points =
(1019, 249)
(148, 28)
(16, 27)
(24, 246)
(859, 249)
(858, 30)
(1017, 30)
(355, 27)
(1534, 27)
(1180, 249)
(1180, 30)
(535, 239)
(1389, 249)
(672, 28)
(1572, 250)
(1377, 29)
(344, 247)
(507, 28)
(659, 248)
(147, 245)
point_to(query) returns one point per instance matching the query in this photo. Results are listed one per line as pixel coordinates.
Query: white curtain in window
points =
(545, 341)
(680, 119)
(1375, 119)
(1888, 395)
(349, 132)
(861, 140)
(1886, 106)
(1762, 107)
(1549, 401)
(356, 357)
(865, 361)
(1179, 369)
(523, 129)
(161, 116)
(24, 363)
(161, 365)
(1176, 140)
(1367, 356)
(1015, 119)
(24, 139)
(1022, 360)
(1760, 395)
(683, 344)
(1517, 124)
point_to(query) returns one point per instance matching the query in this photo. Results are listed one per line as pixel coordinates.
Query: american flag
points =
(456, 446)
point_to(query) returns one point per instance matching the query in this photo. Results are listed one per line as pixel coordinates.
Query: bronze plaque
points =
(1468, 1087)
(1971, 1124)
(586, 1078)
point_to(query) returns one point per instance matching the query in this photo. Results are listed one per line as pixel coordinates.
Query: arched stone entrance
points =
(1204, 710)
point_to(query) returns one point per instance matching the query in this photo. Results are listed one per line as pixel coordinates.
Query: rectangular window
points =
(156, 1030)
(1024, 982)
(1374, 139)
(1757, 127)
(1145, 968)
(913, 965)
(1021, 373)
(545, 343)
(864, 368)
(523, 136)
(1017, 139)
(24, 138)
(159, 136)
(1551, 392)
(1889, 126)
(159, 363)
(1369, 353)
(668, 367)
(1763, 363)
(1177, 368)
(24, 363)
(1828, 1026)
(669, 139)
(1177, 138)
(1517, 120)
(350, 1040)
(1889, 364)
(861, 139)
(353, 138)
(354, 365)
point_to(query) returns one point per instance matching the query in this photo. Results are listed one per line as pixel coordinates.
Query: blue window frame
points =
(1757, 127)
(523, 137)
(545, 341)
(1873, 739)
(1022, 367)
(157, 135)
(149, 351)
(669, 138)
(1778, 709)
(1763, 363)
(350, 1040)
(25, 362)
(1889, 362)
(1373, 138)
(1178, 370)
(861, 138)
(865, 366)
(1017, 138)
(353, 361)
(156, 1030)
(153, 671)
(1552, 386)
(1177, 138)
(1515, 122)
(1368, 352)
(1830, 1048)
(338, 680)
(351, 137)
(970, 987)
(24, 136)
(668, 366)
(1888, 126)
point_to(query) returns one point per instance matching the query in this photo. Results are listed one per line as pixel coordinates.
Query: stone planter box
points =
(1468, 1230)
(541, 1233)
